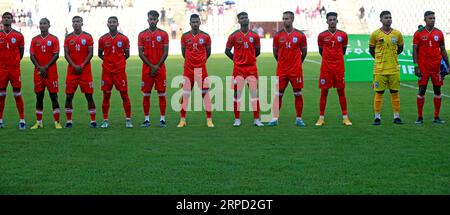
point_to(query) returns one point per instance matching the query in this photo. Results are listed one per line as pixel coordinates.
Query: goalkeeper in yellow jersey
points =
(385, 45)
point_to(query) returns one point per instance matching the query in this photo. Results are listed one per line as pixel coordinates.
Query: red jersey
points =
(244, 53)
(195, 49)
(113, 49)
(78, 47)
(332, 50)
(43, 49)
(153, 44)
(289, 47)
(429, 52)
(9, 49)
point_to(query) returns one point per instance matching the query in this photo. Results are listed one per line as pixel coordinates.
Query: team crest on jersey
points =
(339, 39)
(189, 41)
(326, 39)
(107, 44)
(72, 42)
(393, 40)
(436, 38)
(147, 38)
(424, 38)
(38, 43)
(239, 40)
(158, 38)
(376, 84)
(282, 40)
(250, 39)
(49, 43)
(13, 40)
(83, 42)
(119, 44)
(2, 40)
(322, 81)
(201, 41)
(295, 40)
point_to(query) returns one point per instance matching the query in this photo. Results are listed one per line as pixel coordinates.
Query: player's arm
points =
(229, 53)
(89, 57)
(399, 49)
(127, 53)
(164, 56)
(258, 51)
(416, 67)
(372, 43)
(143, 57)
(275, 53)
(444, 53)
(208, 52)
(183, 51)
(43, 70)
(100, 53)
(68, 58)
(304, 53)
(21, 49)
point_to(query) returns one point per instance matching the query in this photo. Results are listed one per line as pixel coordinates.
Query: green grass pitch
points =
(362, 159)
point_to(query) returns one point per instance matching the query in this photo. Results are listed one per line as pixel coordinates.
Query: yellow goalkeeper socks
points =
(378, 101)
(395, 100)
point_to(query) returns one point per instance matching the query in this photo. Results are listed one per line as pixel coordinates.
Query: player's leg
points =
(146, 88)
(69, 109)
(203, 83)
(420, 102)
(161, 89)
(379, 86)
(121, 83)
(107, 85)
(394, 82)
(91, 108)
(2, 104)
(340, 87)
(252, 82)
(325, 83)
(39, 109)
(55, 107)
(17, 85)
(188, 83)
(278, 99)
(437, 81)
(238, 84)
(297, 86)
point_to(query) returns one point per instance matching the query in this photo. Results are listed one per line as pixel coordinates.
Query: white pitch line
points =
(428, 91)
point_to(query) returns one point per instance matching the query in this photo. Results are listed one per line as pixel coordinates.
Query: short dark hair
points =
(332, 14)
(194, 16)
(428, 13)
(79, 17)
(153, 13)
(420, 26)
(289, 12)
(241, 14)
(113, 17)
(6, 14)
(45, 18)
(384, 12)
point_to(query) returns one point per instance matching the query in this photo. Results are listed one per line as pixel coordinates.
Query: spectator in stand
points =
(173, 28)
(260, 31)
(163, 16)
(361, 13)
(170, 16)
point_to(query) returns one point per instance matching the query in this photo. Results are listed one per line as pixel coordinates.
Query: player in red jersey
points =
(247, 48)
(78, 51)
(290, 50)
(114, 50)
(196, 49)
(428, 51)
(153, 44)
(332, 47)
(44, 51)
(11, 52)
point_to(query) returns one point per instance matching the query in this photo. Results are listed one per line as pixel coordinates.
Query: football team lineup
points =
(242, 48)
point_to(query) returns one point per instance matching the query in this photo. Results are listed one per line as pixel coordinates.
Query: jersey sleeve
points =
(66, 42)
(275, 42)
(345, 40)
(90, 42)
(31, 47)
(21, 41)
(208, 41)
(127, 43)
(416, 38)
(230, 42)
(183, 41)
(400, 39)
(55, 45)
(320, 41)
(257, 41)
(165, 38)
(303, 42)
(372, 40)
(100, 44)
(141, 40)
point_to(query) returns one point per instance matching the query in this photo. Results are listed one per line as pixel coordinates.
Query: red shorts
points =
(295, 79)
(436, 79)
(119, 80)
(159, 81)
(50, 82)
(199, 75)
(329, 80)
(84, 80)
(12, 76)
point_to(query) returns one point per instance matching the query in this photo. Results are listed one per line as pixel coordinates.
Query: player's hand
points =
(154, 72)
(417, 72)
(77, 69)
(43, 72)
